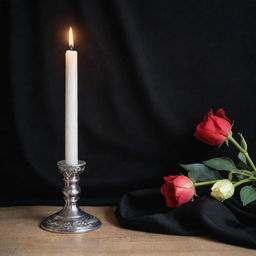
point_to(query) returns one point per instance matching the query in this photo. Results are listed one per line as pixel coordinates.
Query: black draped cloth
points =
(229, 222)
(148, 72)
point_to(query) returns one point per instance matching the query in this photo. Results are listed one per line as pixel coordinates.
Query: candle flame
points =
(71, 40)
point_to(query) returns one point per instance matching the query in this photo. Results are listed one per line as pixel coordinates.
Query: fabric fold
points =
(228, 222)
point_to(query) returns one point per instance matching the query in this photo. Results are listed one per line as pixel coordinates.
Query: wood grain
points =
(20, 235)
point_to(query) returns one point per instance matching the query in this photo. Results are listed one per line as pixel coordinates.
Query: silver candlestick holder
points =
(71, 219)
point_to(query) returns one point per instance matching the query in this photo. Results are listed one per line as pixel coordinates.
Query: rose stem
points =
(241, 182)
(197, 184)
(230, 138)
(241, 173)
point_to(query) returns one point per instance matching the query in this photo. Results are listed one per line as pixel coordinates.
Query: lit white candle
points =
(71, 104)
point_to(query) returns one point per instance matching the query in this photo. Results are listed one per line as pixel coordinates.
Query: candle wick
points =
(71, 47)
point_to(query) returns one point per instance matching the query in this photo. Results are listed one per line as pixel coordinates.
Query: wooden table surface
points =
(20, 235)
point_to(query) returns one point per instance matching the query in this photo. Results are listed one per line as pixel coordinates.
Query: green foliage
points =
(247, 194)
(199, 172)
(243, 142)
(240, 176)
(242, 163)
(242, 157)
(221, 164)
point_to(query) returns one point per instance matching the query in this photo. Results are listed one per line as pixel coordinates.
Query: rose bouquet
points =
(215, 130)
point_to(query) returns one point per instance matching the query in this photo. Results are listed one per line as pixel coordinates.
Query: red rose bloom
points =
(177, 190)
(214, 128)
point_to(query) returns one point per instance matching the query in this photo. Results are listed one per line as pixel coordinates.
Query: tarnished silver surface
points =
(71, 219)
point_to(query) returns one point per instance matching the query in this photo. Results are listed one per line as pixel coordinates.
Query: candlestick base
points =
(71, 219)
(61, 224)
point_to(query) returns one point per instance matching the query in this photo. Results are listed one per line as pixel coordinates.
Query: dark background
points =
(148, 72)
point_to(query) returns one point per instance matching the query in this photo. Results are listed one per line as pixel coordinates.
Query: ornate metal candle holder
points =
(71, 219)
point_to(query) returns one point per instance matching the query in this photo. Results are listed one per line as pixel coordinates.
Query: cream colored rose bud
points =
(222, 189)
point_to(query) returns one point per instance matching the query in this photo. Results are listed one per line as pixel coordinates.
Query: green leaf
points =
(243, 142)
(243, 162)
(200, 172)
(220, 164)
(247, 194)
(241, 157)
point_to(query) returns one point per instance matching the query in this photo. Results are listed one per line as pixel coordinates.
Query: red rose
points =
(214, 129)
(177, 190)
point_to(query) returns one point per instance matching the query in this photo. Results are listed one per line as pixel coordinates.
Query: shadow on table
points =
(109, 216)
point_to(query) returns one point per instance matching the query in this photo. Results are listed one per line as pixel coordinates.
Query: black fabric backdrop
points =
(148, 72)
